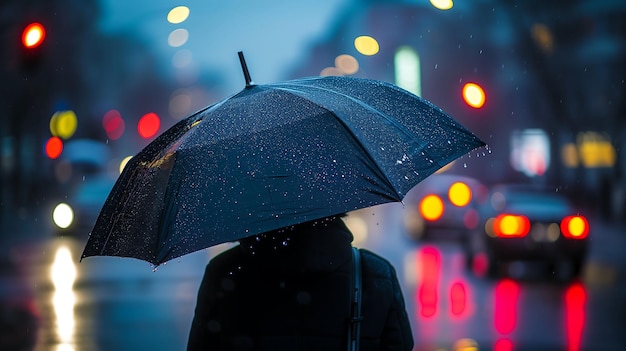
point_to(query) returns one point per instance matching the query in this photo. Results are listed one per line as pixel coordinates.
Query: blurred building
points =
(552, 75)
(55, 89)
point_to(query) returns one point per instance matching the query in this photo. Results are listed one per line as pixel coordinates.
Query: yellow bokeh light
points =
(124, 162)
(442, 4)
(576, 226)
(460, 194)
(178, 14)
(366, 45)
(347, 63)
(510, 225)
(543, 37)
(431, 207)
(63, 124)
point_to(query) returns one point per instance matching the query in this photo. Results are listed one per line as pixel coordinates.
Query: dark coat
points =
(291, 292)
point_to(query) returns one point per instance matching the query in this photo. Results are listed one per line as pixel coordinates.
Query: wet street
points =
(106, 303)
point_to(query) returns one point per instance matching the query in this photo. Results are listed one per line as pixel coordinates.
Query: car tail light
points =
(511, 226)
(460, 194)
(575, 227)
(431, 207)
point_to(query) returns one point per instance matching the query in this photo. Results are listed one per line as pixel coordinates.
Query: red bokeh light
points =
(506, 298)
(428, 294)
(33, 35)
(575, 300)
(458, 299)
(54, 147)
(148, 125)
(113, 124)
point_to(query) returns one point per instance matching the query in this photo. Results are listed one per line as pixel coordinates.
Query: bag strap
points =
(354, 325)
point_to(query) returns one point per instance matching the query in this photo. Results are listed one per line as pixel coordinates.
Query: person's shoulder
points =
(226, 258)
(376, 264)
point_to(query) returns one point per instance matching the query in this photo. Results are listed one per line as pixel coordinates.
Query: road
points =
(106, 303)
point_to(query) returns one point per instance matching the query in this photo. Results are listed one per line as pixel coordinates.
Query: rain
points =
(513, 245)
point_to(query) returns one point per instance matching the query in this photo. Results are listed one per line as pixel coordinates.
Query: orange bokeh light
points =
(54, 147)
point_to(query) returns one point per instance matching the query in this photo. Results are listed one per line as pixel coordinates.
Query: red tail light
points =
(511, 226)
(431, 207)
(575, 227)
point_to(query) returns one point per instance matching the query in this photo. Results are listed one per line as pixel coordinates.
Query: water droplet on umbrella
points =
(464, 165)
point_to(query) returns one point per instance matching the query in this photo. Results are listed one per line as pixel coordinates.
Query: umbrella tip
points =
(244, 67)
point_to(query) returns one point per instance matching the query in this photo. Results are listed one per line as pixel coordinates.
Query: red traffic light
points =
(33, 35)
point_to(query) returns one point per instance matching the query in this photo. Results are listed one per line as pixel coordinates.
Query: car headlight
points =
(63, 215)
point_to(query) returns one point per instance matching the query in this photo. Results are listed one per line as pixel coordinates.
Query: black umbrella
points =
(272, 156)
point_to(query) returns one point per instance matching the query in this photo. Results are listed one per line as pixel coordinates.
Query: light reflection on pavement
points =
(110, 303)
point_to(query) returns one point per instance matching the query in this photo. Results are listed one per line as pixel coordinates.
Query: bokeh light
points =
(460, 194)
(442, 4)
(54, 147)
(431, 207)
(113, 124)
(366, 45)
(63, 215)
(543, 37)
(124, 163)
(474, 95)
(347, 64)
(63, 124)
(407, 70)
(331, 71)
(33, 35)
(178, 14)
(180, 104)
(148, 125)
(178, 37)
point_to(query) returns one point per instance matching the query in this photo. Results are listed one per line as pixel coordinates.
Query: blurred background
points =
(525, 252)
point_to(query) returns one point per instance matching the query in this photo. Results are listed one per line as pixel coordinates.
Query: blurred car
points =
(78, 213)
(443, 207)
(525, 223)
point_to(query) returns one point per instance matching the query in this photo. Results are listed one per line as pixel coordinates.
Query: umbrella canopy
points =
(272, 156)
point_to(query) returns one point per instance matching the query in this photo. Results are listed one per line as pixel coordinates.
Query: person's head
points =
(283, 238)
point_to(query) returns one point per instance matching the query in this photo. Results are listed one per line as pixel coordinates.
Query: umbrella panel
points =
(273, 156)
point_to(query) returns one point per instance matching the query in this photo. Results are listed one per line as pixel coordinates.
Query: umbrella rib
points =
(349, 130)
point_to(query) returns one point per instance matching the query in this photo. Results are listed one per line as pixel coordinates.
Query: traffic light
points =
(33, 35)
(32, 40)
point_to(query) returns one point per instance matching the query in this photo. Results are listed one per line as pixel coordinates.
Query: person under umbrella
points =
(289, 289)
(268, 163)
